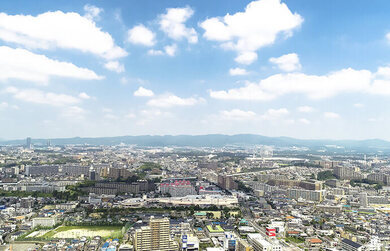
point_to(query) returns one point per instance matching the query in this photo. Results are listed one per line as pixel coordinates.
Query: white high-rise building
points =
(363, 200)
(155, 237)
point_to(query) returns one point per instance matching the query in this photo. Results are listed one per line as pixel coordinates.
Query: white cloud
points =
(237, 114)
(170, 100)
(83, 95)
(143, 92)
(246, 57)
(141, 35)
(73, 112)
(92, 12)
(288, 62)
(331, 115)
(173, 24)
(169, 50)
(275, 113)
(249, 92)
(313, 86)
(40, 97)
(388, 37)
(114, 66)
(238, 72)
(57, 29)
(256, 27)
(24, 65)
(304, 121)
(155, 52)
(305, 109)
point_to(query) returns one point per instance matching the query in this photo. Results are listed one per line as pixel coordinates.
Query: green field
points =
(72, 232)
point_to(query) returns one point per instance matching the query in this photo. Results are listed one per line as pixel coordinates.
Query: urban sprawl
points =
(235, 198)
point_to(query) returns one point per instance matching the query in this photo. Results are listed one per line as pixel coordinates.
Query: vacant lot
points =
(71, 232)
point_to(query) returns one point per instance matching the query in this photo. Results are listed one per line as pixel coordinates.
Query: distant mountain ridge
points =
(212, 140)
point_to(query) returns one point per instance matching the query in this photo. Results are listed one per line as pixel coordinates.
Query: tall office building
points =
(28, 143)
(154, 237)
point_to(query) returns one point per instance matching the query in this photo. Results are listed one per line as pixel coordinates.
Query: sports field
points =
(73, 232)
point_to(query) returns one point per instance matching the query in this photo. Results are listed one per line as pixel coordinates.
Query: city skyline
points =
(308, 70)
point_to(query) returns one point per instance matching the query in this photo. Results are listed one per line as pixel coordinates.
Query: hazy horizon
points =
(190, 135)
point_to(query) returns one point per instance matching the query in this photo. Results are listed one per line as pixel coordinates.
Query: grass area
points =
(70, 232)
(294, 239)
(204, 246)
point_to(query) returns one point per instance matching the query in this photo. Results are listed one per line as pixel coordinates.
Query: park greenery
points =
(325, 175)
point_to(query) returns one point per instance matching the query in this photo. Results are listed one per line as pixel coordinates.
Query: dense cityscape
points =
(124, 197)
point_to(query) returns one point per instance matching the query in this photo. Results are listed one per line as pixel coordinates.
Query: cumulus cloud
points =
(169, 50)
(143, 92)
(141, 35)
(83, 95)
(313, 86)
(92, 12)
(153, 52)
(24, 65)
(173, 24)
(237, 72)
(170, 100)
(57, 29)
(288, 62)
(237, 114)
(114, 66)
(331, 115)
(39, 97)
(305, 109)
(258, 26)
(246, 57)
(250, 91)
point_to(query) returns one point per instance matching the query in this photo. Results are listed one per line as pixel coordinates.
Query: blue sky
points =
(305, 69)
